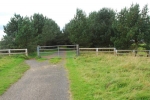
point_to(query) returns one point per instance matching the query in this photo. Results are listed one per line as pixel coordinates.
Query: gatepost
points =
(38, 51)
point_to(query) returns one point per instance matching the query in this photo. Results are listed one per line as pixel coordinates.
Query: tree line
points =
(28, 32)
(105, 28)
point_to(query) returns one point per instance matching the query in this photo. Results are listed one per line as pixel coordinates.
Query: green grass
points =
(48, 53)
(109, 77)
(33, 55)
(71, 54)
(55, 60)
(11, 69)
(40, 59)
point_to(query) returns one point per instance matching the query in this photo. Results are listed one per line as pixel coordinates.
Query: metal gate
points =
(58, 51)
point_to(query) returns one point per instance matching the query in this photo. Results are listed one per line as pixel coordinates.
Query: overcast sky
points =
(61, 11)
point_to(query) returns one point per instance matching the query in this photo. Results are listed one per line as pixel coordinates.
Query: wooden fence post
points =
(9, 52)
(38, 51)
(97, 51)
(114, 51)
(149, 53)
(77, 50)
(134, 53)
(26, 52)
(58, 51)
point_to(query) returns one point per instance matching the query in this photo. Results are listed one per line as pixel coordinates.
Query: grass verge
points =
(48, 53)
(11, 69)
(55, 60)
(107, 77)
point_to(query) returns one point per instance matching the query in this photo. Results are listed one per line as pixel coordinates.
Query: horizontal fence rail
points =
(97, 49)
(13, 51)
(107, 50)
(124, 52)
(133, 52)
(118, 52)
(57, 49)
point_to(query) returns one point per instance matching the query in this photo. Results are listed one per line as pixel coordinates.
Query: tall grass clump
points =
(109, 77)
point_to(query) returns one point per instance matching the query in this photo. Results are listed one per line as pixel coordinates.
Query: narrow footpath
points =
(43, 81)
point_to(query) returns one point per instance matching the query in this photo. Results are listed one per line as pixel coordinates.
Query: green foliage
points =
(104, 28)
(120, 40)
(131, 26)
(12, 30)
(109, 77)
(25, 32)
(77, 29)
(11, 69)
(100, 27)
(49, 32)
(92, 31)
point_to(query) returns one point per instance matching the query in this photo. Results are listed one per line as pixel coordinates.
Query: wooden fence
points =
(13, 51)
(133, 52)
(124, 52)
(118, 52)
(103, 50)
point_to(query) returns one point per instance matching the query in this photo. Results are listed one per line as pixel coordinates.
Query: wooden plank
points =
(4, 53)
(17, 49)
(3, 50)
(18, 53)
(12, 53)
(105, 51)
(67, 48)
(124, 50)
(66, 45)
(47, 46)
(87, 48)
(45, 52)
(59, 46)
(107, 48)
(142, 50)
(123, 53)
(47, 49)
(97, 48)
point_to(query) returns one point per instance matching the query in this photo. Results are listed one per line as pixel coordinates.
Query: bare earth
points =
(43, 81)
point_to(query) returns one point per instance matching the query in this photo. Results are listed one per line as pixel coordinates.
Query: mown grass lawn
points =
(11, 69)
(109, 77)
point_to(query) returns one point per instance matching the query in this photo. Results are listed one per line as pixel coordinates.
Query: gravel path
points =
(43, 81)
